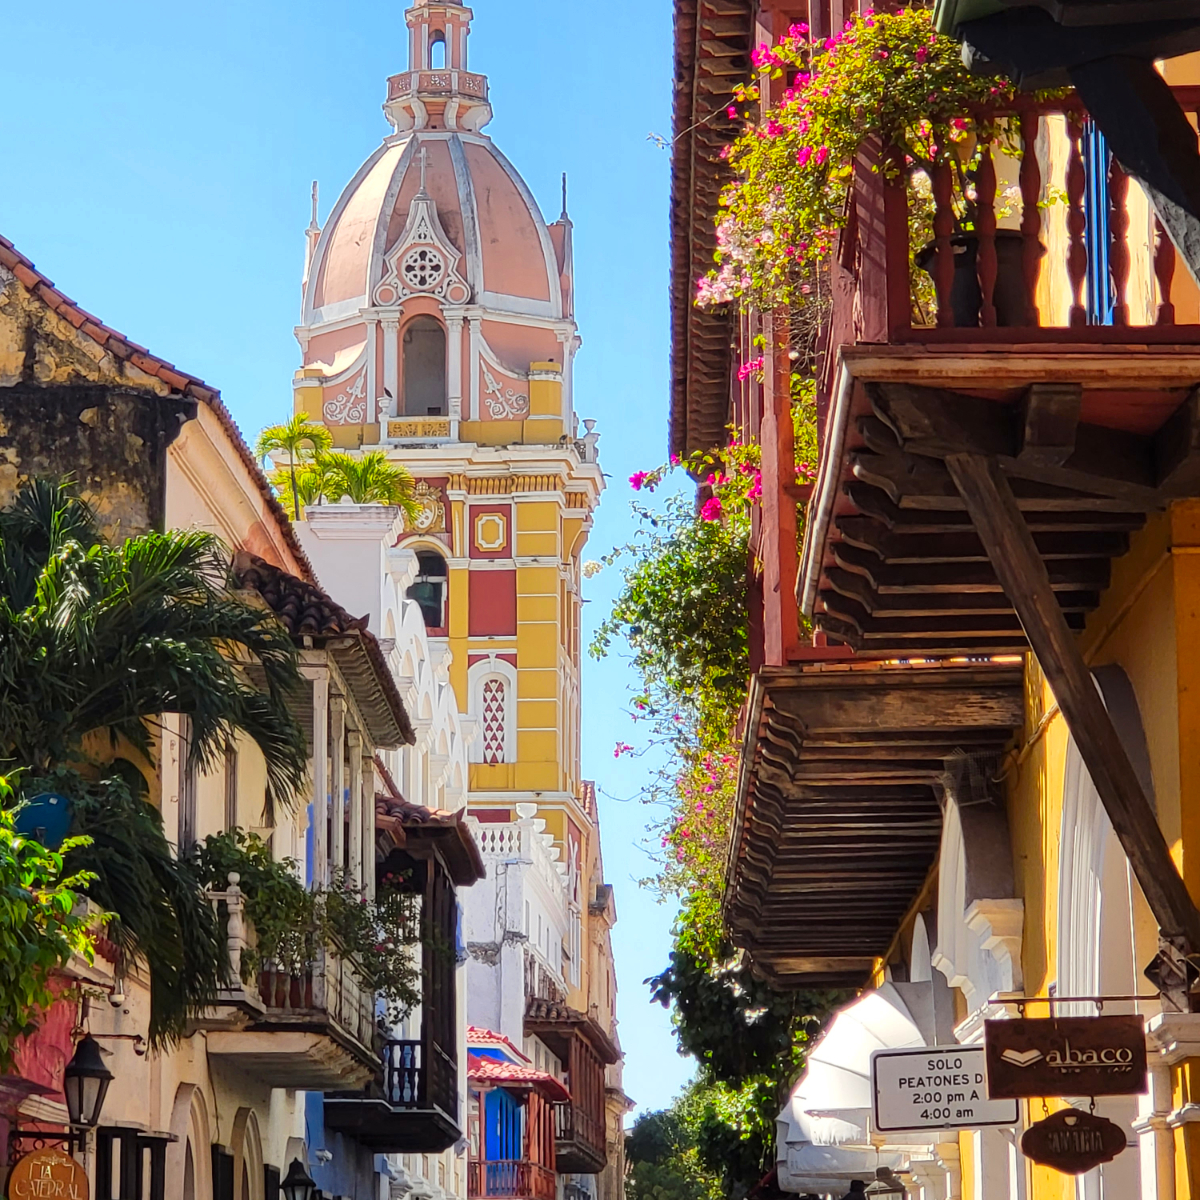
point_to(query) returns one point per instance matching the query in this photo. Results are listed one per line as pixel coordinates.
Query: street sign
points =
(940, 1087)
(47, 1175)
(1065, 1056)
(1073, 1142)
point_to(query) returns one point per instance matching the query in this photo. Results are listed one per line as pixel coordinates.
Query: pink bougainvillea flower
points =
(622, 748)
(803, 155)
(637, 479)
(822, 155)
(711, 509)
(731, 112)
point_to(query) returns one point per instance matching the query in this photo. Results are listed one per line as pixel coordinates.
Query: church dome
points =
(507, 253)
(483, 206)
(436, 294)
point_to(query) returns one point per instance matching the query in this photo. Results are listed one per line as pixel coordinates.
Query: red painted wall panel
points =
(492, 599)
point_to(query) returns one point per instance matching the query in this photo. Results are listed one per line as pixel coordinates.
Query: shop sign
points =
(47, 1175)
(938, 1088)
(1065, 1056)
(1073, 1142)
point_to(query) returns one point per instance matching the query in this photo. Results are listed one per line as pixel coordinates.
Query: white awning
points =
(823, 1131)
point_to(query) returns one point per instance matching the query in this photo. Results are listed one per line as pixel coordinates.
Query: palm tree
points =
(96, 641)
(292, 437)
(369, 479)
(308, 485)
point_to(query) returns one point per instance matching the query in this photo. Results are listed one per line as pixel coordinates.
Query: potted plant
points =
(885, 76)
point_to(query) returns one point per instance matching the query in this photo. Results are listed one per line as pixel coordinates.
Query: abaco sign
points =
(1065, 1056)
(934, 1088)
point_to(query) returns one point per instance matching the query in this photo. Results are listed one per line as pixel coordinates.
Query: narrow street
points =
(694, 696)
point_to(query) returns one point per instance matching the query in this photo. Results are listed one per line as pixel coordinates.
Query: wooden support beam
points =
(1049, 417)
(1083, 574)
(1177, 449)
(1103, 462)
(911, 604)
(916, 482)
(990, 502)
(873, 503)
(965, 546)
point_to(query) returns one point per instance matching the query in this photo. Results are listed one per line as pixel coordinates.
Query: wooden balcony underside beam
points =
(1014, 554)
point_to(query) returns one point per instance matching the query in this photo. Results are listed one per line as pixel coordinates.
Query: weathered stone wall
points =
(113, 443)
(67, 407)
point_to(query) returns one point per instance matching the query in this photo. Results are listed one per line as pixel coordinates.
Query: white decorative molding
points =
(999, 925)
(1174, 1037)
(424, 261)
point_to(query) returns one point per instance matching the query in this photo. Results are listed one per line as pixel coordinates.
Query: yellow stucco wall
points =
(1149, 624)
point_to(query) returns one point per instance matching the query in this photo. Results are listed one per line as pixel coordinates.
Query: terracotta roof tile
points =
(478, 1036)
(303, 608)
(488, 1070)
(121, 347)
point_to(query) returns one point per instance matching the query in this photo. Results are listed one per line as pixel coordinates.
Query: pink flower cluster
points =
(749, 367)
(711, 509)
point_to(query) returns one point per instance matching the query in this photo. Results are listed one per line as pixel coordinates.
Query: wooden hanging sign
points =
(1065, 1056)
(1072, 1141)
(47, 1175)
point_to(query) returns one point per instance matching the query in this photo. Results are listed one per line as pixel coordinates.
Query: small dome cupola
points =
(437, 91)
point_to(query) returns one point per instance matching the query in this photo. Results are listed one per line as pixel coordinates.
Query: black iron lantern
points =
(85, 1083)
(296, 1184)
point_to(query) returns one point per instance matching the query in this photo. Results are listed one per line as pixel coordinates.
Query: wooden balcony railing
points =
(515, 1178)
(416, 1078)
(1029, 283)
(573, 1123)
(328, 991)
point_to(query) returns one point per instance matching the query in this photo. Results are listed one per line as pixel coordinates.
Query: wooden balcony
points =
(584, 1049)
(1083, 260)
(313, 1031)
(411, 1109)
(510, 1179)
(994, 435)
(579, 1138)
(1067, 348)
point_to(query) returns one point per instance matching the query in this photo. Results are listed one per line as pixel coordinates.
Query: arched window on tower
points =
(492, 688)
(437, 51)
(424, 368)
(494, 719)
(429, 588)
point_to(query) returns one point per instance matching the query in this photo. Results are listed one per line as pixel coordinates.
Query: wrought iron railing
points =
(515, 1178)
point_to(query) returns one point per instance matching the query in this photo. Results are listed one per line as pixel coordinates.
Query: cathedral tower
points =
(438, 326)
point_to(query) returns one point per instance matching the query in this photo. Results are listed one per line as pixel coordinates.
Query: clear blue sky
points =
(156, 165)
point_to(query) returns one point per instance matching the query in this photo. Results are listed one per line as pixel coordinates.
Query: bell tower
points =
(437, 91)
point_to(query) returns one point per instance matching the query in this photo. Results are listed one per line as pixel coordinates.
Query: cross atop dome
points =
(437, 91)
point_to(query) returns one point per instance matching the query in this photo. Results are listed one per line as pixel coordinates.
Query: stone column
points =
(454, 389)
(391, 374)
(354, 745)
(320, 777)
(1156, 1138)
(337, 847)
(473, 369)
(368, 823)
